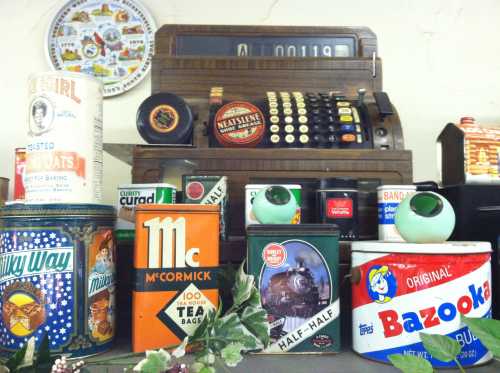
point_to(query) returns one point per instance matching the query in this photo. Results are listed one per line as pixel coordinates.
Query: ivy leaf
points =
(231, 354)
(43, 355)
(15, 360)
(255, 320)
(254, 300)
(206, 369)
(230, 329)
(441, 347)
(410, 363)
(155, 362)
(488, 332)
(202, 330)
(29, 355)
(180, 351)
(243, 285)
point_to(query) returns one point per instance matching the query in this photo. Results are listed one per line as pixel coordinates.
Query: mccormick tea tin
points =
(389, 197)
(64, 152)
(130, 195)
(251, 191)
(57, 277)
(402, 289)
(175, 260)
(19, 170)
(208, 190)
(296, 269)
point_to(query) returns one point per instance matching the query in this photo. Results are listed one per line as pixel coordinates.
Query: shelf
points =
(127, 152)
(344, 362)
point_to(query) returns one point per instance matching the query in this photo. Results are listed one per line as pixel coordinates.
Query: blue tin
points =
(57, 277)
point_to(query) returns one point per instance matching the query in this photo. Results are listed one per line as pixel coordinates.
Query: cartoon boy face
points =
(378, 283)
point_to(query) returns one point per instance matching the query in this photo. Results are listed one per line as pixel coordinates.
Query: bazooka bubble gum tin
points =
(401, 289)
(57, 277)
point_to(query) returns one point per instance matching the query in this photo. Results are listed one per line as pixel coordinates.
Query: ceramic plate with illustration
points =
(112, 40)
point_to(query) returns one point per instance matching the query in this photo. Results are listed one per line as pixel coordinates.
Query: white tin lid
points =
(397, 187)
(449, 247)
(145, 186)
(261, 186)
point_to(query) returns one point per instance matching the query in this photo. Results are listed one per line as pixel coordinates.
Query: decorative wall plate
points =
(112, 40)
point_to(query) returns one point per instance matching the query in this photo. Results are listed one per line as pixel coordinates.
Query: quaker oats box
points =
(296, 269)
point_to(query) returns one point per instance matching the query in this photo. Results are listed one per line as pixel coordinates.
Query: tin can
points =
(176, 257)
(57, 277)
(403, 289)
(130, 195)
(337, 202)
(19, 170)
(64, 152)
(251, 191)
(208, 190)
(389, 198)
(296, 269)
(4, 190)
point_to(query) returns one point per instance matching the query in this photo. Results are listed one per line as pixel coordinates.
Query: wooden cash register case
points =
(184, 66)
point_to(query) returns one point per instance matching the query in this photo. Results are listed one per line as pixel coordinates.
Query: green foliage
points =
(24, 361)
(221, 336)
(441, 347)
(231, 354)
(410, 363)
(488, 332)
(243, 327)
(155, 362)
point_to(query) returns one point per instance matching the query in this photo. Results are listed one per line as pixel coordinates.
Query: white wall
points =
(441, 61)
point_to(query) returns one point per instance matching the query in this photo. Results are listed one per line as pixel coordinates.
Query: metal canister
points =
(389, 198)
(64, 152)
(337, 202)
(175, 260)
(131, 195)
(208, 190)
(57, 277)
(400, 290)
(4, 190)
(19, 174)
(296, 269)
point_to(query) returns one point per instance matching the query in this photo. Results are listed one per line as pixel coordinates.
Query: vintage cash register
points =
(322, 65)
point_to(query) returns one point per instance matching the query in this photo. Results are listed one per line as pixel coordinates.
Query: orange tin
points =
(175, 259)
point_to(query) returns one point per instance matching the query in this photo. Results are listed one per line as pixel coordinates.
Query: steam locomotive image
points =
(294, 293)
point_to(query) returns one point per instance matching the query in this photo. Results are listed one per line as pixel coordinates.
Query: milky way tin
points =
(296, 269)
(403, 289)
(57, 276)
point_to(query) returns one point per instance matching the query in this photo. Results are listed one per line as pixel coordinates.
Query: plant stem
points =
(462, 370)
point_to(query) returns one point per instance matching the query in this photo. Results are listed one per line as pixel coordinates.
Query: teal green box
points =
(296, 269)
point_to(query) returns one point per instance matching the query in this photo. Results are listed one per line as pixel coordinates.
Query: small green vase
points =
(274, 205)
(425, 217)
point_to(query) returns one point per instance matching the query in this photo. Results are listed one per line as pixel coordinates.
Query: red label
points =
(274, 255)
(239, 123)
(195, 190)
(19, 176)
(339, 208)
